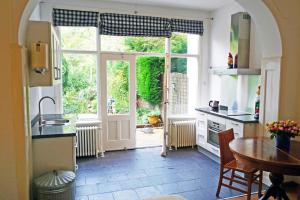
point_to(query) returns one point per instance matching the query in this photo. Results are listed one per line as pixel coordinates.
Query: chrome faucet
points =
(40, 115)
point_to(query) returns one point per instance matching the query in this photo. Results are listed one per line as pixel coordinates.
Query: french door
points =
(118, 100)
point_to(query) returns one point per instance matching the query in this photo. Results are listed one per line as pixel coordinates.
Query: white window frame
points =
(98, 53)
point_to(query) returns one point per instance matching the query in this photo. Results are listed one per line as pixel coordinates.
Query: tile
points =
(170, 188)
(195, 195)
(95, 179)
(108, 187)
(81, 198)
(86, 190)
(131, 184)
(151, 180)
(147, 192)
(104, 196)
(188, 185)
(134, 174)
(117, 177)
(125, 195)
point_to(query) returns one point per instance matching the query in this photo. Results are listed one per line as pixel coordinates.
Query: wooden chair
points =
(229, 163)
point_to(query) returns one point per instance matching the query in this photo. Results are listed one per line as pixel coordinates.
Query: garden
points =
(79, 78)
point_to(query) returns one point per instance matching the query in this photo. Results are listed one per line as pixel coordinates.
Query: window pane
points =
(117, 87)
(78, 38)
(132, 44)
(183, 85)
(184, 43)
(79, 83)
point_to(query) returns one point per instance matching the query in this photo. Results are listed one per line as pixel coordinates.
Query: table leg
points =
(275, 190)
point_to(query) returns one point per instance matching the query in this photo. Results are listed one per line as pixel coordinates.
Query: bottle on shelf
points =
(257, 103)
(230, 61)
(235, 61)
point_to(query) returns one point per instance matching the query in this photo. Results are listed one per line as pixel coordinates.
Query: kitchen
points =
(236, 91)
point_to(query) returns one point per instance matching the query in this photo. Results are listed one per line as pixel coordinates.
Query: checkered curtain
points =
(63, 17)
(187, 26)
(133, 25)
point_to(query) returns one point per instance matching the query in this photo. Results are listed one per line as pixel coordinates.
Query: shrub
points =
(149, 78)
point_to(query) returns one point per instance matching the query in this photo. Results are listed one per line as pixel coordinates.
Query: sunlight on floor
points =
(144, 139)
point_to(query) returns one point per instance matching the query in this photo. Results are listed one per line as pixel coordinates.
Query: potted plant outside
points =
(154, 117)
(283, 131)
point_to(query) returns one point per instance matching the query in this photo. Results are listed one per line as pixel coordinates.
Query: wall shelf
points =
(236, 71)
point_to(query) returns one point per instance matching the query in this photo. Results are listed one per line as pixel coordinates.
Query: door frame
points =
(131, 116)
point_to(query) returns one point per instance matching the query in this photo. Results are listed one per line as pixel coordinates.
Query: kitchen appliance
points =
(213, 129)
(240, 39)
(214, 104)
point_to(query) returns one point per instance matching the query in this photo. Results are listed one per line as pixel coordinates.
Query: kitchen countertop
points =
(222, 113)
(68, 130)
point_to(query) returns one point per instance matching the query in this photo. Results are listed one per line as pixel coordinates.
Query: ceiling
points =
(189, 4)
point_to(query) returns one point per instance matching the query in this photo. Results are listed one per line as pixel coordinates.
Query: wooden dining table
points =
(261, 153)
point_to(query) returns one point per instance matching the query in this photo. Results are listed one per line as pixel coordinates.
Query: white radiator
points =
(89, 140)
(182, 134)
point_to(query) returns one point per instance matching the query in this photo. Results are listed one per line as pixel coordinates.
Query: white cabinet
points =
(242, 129)
(238, 128)
(44, 32)
(50, 154)
(201, 129)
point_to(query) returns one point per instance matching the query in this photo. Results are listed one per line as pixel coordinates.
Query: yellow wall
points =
(13, 163)
(287, 14)
(14, 172)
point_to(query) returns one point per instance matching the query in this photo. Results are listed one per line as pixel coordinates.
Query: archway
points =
(269, 36)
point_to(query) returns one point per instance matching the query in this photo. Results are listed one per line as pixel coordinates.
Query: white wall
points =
(237, 92)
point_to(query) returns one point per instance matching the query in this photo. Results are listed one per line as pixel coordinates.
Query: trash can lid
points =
(55, 179)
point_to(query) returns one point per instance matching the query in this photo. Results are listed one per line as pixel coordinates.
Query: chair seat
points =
(238, 166)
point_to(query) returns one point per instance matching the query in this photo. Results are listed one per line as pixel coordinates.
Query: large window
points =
(132, 44)
(80, 49)
(79, 61)
(184, 73)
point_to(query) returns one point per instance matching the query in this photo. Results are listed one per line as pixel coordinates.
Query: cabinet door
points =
(238, 128)
(55, 51)
(201, 129)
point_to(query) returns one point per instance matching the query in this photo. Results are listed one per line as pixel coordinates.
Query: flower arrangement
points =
(288, 128)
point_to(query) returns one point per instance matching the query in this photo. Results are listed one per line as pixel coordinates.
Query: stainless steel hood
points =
(239, 47)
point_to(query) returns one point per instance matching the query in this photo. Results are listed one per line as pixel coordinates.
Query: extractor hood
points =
(239, 47)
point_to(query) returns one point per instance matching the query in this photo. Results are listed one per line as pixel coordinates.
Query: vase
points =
(283, 142)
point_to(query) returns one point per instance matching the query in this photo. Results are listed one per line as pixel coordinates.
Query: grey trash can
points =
(56, 185)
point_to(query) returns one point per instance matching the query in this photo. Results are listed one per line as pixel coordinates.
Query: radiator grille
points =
(89, 141)
(182, 134)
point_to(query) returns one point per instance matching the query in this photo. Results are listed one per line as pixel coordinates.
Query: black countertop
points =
(68, 130)
(222, 113)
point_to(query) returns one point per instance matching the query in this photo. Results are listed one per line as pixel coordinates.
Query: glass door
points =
(118, 100)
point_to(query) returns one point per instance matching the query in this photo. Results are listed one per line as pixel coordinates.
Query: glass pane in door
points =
(117, 87)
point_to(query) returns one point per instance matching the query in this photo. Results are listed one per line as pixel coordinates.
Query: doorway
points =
(118, 101)
(150, 71)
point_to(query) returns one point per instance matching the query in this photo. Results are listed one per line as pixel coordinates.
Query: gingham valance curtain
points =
(126, 25)
(133, 25)
(187, 26)
(63, 17)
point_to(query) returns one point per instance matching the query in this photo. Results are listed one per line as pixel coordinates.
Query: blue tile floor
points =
(143, 173)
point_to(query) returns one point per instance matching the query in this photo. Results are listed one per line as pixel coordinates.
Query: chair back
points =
(226, 154)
